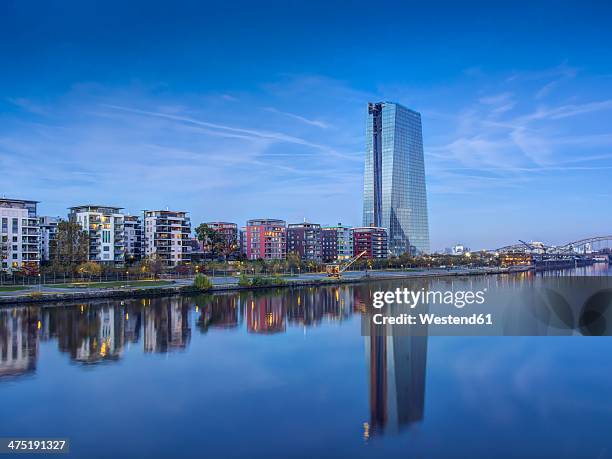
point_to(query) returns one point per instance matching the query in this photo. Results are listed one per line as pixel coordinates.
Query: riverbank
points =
(70, 292)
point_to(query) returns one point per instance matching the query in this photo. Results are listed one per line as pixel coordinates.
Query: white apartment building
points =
(166, 234)
(105, 227)
(19, 235)
(48, 231)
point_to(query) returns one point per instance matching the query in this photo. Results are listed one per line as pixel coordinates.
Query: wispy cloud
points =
(305, 120)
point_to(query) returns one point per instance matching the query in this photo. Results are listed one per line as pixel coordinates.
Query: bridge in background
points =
(590, 245)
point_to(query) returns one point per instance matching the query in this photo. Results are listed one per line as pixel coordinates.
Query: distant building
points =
(337, 243)
(105, 227)
(266, 239)
(394, 195)
(305, 240)
(460, 249)
(371, 239)
(48, 231)
(19, 235)
(133, 237)
(165, 234)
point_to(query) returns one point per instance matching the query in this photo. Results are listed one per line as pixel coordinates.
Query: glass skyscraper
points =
(394, 195)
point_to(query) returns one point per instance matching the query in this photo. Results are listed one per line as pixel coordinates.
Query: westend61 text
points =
(432, 319)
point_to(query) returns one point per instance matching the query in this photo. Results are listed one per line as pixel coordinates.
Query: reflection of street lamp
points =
(127, 275)
(39, 284)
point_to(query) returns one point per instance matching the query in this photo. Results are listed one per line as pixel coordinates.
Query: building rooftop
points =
(265, 220)
(22, 201)
(95, 206)
(166, 211)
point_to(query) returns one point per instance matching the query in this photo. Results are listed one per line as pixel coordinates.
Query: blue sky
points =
(251, 109)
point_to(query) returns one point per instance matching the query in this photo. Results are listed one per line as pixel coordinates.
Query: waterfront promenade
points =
(124, 289)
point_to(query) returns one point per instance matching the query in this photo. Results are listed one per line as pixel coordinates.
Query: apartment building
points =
(372, 239)
(166, 234)
(266, 238)
(105, 227)
(48, 231)
(132, 233)
(337, 243)
(305, 240)
(19, 235)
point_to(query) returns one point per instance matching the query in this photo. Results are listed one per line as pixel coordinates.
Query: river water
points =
(287, 373)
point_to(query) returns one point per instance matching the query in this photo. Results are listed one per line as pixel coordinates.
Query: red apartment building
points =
(372, 239)
(266, 239)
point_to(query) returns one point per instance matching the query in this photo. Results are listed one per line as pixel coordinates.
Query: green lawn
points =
(13, 288)
(114, 284)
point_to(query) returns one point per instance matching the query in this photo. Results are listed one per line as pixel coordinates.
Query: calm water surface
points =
(288, 374)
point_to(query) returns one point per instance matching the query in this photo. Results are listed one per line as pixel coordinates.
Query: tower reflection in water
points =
(99, 332)
(396, 360)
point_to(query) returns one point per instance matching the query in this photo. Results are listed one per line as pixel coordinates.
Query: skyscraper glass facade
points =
(394, 194)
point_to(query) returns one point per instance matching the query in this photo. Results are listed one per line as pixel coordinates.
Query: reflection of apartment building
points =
(19, 234)
(266, 239)
(221, 312)
(100, 334)
(305, 240)
(337, 243)
(48, 231)
(105, 227)
(133, 237)
(372, 240)
(133, 318)
(265, 315)
(165, 234)
(166, 326)
(18, 342)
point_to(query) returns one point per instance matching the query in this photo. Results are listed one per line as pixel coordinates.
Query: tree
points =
(153, 264)
(293, 261)
(70, 247)
(215, 242)
(90, 269)
(208, 237)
